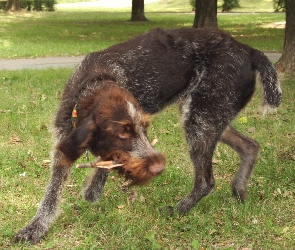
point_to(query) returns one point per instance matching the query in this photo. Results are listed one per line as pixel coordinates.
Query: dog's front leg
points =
(203, 183)
(202, 130)
(45, 214)
(94, 185)
(201, 144)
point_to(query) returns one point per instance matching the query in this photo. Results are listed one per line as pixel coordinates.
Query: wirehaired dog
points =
(210, 75)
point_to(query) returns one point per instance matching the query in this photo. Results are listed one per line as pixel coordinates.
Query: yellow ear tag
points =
(74, 116)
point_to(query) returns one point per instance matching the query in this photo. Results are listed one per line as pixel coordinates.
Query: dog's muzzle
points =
(138, 170)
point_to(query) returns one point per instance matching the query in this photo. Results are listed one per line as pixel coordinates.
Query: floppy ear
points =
(77, 141)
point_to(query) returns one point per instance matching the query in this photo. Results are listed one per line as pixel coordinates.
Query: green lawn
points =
(169, 6)
(29, 99)
(266, 221)
(64, 33)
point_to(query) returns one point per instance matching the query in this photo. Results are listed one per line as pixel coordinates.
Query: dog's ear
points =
(78, 140)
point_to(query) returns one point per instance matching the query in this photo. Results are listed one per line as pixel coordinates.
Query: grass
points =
(266, 221)
(167, 6)
(30, 98)
(64, 33)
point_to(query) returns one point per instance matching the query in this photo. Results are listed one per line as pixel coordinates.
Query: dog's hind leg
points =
(248, 150)
(94, 185)
(45, 214)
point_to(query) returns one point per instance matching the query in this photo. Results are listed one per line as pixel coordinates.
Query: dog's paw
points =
(239, 194)
(91, 195)
(239, 190)
(94, 184)
(32, 233)
(185, 205)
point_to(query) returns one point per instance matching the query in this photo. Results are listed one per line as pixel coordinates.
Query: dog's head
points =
(114, 127)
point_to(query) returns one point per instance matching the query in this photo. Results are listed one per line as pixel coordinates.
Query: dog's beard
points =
(136, 170)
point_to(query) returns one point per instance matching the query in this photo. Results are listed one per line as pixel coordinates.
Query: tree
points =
(286, 63)
(138, 11)
(12, 5)
(205, 14)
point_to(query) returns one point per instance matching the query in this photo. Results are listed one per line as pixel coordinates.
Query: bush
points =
(279, 5)
(2, 5)
(229, 4)
(37, 5)
(47, 5)
(193, 4)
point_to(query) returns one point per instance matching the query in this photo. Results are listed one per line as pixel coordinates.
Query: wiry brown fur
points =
(139, 171)
(208, 73)
(107, 110)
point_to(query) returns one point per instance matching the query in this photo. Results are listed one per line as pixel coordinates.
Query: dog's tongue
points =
(116, 158)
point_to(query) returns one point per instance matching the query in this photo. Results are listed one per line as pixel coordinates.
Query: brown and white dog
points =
(114, 91)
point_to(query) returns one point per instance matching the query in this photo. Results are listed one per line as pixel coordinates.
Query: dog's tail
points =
(269, 79)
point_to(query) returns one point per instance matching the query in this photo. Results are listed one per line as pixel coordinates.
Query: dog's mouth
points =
(136, 170)
(118, 157)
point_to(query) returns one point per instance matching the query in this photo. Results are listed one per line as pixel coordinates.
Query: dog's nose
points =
(158, 164)
(157, 169)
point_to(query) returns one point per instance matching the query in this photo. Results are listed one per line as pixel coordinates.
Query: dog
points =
(209, 74)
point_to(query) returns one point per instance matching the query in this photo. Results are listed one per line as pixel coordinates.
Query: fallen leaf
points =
(142, 199)
(153, 143)
(215, 161)
(46, 163)
(251, 130)
(121, 206)
(23, 174)
(16, 141)
(133, 196)
(107, 193)
(22, 165)
(43, 97)
(243, 120)
(113, 178)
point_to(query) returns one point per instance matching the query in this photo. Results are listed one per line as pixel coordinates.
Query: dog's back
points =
(161, 66)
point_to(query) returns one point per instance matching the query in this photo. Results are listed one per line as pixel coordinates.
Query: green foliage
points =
(193, 4)
(279, 5)
(41, 5)
(2, 5)
(37, 5)
(230, 4)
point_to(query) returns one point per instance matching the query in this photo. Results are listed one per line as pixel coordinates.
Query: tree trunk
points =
(206, 14)
(286, 63)
(12, 5)
(138, 11)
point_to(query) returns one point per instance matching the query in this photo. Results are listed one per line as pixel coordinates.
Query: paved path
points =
(64, 62)
(101, 3)
(40, 63)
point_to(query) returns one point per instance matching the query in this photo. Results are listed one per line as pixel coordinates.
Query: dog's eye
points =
(125, 135)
